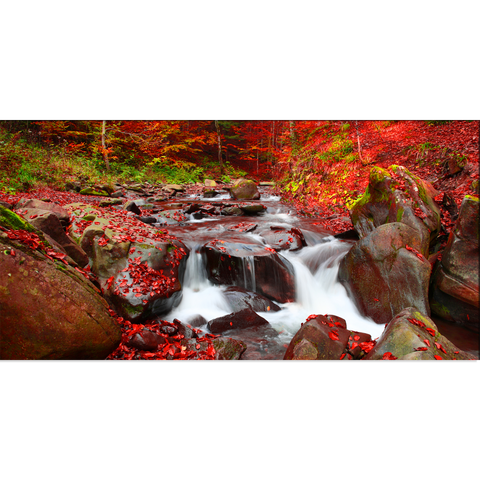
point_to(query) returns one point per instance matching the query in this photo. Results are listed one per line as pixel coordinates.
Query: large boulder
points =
(326, 337)
(385, 273)
(140, 269)
(455, 282)
(48, 310)
(413, 336)
(396, 195)
(252, 266)
(245, 190)
(31, 208)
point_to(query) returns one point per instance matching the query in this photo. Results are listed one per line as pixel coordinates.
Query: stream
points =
(317, 290)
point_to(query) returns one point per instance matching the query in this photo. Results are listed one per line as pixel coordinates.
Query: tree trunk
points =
(220, 160)
(104, 149)
(358, 140)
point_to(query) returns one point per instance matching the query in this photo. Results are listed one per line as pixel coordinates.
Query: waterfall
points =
(318, 290)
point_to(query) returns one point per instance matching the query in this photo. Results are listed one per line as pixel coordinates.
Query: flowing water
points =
(315, 265)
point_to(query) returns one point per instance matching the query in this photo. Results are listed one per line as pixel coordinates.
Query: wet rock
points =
(117, 194)
(234, 210)
(6, 205)
(455, 282)
(210, 183)
(210, 194)
(243, 227)
(228, 348)
(184, 330)
(251, 266)
(243, 319)
(383, 277)
(245, 190)
(169, 330)
(239, 299)
(146, 340)
(252, 208)
(131, 206)
(413, 336)
(396, 195)
(148, 220)
(283, 239)
(319, 338)
(197, 321)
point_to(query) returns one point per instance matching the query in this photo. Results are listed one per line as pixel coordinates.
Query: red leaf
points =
(333, 335)
(12, 252)
(342, 356)
(356, 338)
(437, 357)
(431, 331)
(421, 349)
(389, 356)
(426, 341)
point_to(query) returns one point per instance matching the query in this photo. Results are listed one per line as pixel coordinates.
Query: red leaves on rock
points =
(431, 331)
(389, 356)
(440, 347)
(427, 342)
(421, 349)
(419, 323)
(437, 357)
(367, 346)
(333, 335)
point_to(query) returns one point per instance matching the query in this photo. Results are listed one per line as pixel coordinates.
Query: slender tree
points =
(104, 148)
(220, 160)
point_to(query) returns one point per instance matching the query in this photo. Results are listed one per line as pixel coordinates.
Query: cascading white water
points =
(200, 296)
(319, 292)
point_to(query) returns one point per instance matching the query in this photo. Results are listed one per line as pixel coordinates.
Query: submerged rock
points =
(239, 298)
(238, 320)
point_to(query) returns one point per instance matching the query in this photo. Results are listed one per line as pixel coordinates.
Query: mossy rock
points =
(93, 191)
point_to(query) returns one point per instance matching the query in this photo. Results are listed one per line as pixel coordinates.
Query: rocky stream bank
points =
(218, 271)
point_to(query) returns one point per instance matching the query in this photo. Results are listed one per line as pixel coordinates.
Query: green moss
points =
(378, 174)
(11, 220)
(133, 310)
(471, 197)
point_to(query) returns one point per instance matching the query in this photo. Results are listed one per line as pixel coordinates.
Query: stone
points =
(250, 266)
(283, 239)
(228, 348)
(50, 311)
(131, 206)
(210, 183)
(407, 332)
(238, 298)
(49, 224)
(383, 277)
(245, 190)
(396, 195)
(319, 338)
(237, 320)
(93, 191)
(252, 208)
(455, 281)
(38, 207)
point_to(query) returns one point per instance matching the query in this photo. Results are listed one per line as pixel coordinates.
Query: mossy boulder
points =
(413, 336)
(383, 276)
(93, 191)
(397, 195)
(455, 282)
(245, 190)
(50, 311)
(228, 348)
(31, 207)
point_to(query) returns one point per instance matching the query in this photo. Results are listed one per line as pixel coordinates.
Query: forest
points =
(314, 162)
(250, 240)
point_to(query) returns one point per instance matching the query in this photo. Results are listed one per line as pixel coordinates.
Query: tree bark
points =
(220, 160)
(358, 140)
